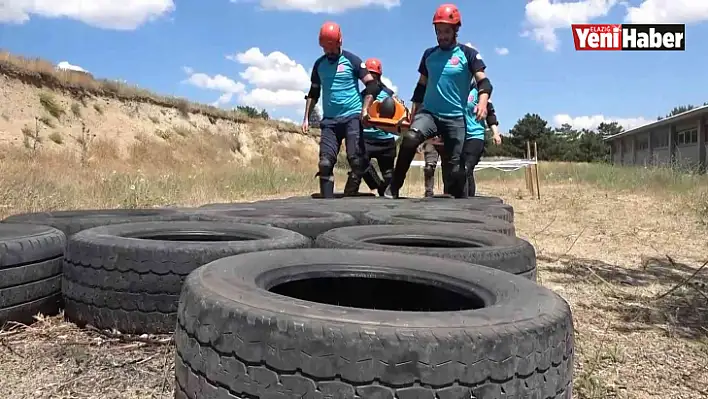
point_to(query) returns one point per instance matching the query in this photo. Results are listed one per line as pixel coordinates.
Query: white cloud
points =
(389, 84)
(275, 71)
(592, 122)
(668, 11)
(502, 50)
(324, 6)
(223, 99)
(273, 82)
(66, 65)
(286, 120)
(218, 82)
(269, 99)
(107, 14)
(277, 80)
(544, 17)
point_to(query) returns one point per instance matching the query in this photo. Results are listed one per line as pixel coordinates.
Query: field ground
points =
(618, 244)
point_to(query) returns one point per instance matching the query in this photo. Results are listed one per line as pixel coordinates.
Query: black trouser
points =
(333, 131)
(425, 126)
(472, 152)
(384, 152)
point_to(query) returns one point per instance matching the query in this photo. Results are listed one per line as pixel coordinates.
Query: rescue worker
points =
(439, 100)
(473, 148)
(433, 151)
(336, 76)
(379, 144)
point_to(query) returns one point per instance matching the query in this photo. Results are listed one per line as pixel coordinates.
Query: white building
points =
(679, 140)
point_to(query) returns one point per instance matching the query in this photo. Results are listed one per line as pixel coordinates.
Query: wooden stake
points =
(532, 189)
(527, 175)
(538, 183)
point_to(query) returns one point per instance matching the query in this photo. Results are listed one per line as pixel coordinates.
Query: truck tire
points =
(128, 277)
(71, 222)
(30, 271)
(499, 251)
(446, 217)
(497, 211)
(481, 199)
(324, 323)
(308, 222)
(353, 206)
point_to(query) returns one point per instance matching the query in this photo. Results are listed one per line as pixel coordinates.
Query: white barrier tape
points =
(507, 165)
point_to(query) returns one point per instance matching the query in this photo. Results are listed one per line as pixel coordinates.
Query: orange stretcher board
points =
(389, 125)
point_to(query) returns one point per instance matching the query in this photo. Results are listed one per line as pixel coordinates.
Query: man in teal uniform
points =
(336, 76)
(380, 145)
(472, 150)
(446, 72)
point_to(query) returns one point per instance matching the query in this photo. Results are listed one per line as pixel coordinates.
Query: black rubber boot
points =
(385, 183)
(327, 187)
(351, 188)
(429, 174)
(372, 179)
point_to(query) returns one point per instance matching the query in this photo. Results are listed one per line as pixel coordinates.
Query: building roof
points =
(664, 122)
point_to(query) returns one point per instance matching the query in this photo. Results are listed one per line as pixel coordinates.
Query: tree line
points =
(563, 143)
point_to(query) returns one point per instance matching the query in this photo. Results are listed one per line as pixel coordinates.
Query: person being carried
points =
(336, 76)
(446, 71)
(380, 145)
(472, 150)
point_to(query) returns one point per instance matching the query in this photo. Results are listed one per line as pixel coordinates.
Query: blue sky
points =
(260, 53)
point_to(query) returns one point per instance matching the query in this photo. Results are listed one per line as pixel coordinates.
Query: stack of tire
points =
(356, 297)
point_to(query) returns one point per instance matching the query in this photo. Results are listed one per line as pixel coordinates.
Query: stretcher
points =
(397, 124)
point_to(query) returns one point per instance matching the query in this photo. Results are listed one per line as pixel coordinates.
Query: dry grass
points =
(623, 246)
(188, 171)
(42, 73)
(616, 243)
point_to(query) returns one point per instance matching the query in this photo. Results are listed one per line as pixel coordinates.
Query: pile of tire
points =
(355, 297)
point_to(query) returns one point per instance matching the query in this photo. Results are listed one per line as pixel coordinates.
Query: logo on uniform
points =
(340, 68)
(454, 60)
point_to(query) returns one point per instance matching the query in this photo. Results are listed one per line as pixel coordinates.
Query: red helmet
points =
(374, 65)
(331, 34)
(447, 14)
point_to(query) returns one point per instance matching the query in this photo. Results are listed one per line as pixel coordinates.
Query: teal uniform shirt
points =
(339, 80)
(449, 74)
(475, 128)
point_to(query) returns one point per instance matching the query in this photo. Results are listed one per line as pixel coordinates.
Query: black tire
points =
(482, 199)
(340, 195)
(426, 217)
(497, 211)
(354, 206)
(128, 277)
(71, 222)
(308, 222)
(236, 339)
(30, 271)
(499, 251)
